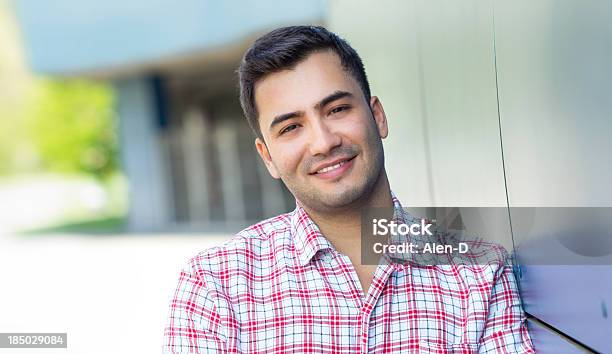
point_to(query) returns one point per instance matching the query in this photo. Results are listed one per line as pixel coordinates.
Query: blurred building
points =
(186, 149)
(489, 104)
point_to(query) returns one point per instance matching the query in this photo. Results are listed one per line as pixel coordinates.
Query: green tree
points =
(72, 126)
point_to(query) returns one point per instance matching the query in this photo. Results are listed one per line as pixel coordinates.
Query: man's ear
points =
(262, 149)
(379, 116)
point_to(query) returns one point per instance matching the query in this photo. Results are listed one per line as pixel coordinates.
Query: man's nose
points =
(322, 138)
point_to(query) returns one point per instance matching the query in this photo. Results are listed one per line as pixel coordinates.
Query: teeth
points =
(327, 169)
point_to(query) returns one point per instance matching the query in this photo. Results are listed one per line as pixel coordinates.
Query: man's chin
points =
(342, 198)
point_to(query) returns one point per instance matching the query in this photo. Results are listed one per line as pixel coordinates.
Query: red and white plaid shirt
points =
(280, 286)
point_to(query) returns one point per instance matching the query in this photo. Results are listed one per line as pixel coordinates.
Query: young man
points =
(294, 283)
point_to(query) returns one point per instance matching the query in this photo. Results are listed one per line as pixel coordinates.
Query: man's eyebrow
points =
(331, 98)
(325, 101)
(283, 117)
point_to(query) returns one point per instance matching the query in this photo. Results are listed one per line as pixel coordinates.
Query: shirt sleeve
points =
(194, 323)
(506, 326)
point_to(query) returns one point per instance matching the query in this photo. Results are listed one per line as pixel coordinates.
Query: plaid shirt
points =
(280, 286)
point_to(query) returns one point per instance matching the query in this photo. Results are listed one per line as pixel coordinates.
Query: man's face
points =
(321, 136)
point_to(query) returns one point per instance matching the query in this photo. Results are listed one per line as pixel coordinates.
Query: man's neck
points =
(343, 228)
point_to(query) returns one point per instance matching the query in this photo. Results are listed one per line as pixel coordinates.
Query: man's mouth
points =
(335, 170)
(331, 168)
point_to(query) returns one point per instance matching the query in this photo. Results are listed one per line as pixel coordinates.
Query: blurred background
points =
(123, 149)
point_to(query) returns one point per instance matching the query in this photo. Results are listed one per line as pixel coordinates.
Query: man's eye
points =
(288, 128)
(338, 109)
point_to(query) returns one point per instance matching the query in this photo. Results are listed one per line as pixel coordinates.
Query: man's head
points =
(305, 93)
(283, 49)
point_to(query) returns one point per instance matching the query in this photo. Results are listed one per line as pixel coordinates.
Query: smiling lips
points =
(335, 170)
(326, 169)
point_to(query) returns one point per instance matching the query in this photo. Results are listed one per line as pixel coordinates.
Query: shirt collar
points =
(399, 213)
(306, 235)
(309, 240)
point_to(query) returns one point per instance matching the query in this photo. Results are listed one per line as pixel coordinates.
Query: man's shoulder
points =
(260, 233)
(260, 240)
(481, 264)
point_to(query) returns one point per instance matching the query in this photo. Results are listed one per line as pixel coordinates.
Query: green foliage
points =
(72, 127)
(11, 134)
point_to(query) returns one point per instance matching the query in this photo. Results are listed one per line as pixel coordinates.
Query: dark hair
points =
(284, 48)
